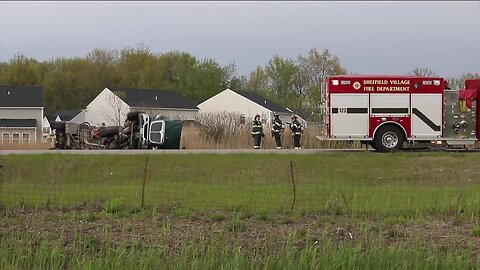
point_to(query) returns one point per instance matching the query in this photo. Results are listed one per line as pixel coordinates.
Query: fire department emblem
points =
(356, 85)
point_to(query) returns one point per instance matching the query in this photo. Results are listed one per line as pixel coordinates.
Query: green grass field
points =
(234, 211)
(347, 182)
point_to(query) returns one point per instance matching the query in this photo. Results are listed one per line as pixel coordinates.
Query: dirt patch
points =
(162, 228)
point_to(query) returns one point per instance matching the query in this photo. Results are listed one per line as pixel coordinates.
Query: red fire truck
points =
(388, 111)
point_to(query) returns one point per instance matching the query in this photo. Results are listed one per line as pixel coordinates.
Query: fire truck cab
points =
(388, 111)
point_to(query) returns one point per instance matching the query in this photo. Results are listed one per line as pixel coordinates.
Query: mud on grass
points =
(151, 237)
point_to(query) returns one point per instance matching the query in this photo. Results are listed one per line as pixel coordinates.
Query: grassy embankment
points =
(351, 210)
(347, 182)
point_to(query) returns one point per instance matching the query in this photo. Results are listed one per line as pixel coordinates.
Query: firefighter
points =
(297, 131)
(277, 129)
(257, 132)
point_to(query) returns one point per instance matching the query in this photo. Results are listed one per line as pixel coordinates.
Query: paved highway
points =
(182, 151)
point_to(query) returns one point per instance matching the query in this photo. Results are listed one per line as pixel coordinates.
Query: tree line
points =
(71, 83)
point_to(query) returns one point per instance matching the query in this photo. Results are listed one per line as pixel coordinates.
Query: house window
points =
(26, 138)
(16, 138)
(5, 137)
(103, 124)
(242, 119)
(264, 118)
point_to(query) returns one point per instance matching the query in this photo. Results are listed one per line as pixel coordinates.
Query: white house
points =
(21, 114)
(67, 115)
(247, 104)
(106, 109)
(46, 129)
(161, 102)
(111, 108)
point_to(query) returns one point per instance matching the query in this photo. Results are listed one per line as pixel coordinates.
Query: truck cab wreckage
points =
(140, 131)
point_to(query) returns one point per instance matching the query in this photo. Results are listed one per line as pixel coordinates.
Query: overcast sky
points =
(368, 37)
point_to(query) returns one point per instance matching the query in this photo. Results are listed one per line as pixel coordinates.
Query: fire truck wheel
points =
(388, 139)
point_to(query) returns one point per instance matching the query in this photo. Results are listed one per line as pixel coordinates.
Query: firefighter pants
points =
(257, 140)
(278, 140)
(296, 141)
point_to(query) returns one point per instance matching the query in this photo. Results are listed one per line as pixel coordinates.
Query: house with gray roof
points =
(168, 103)
(66, 115)
(247, 104)
(21, 114)
(111, 107)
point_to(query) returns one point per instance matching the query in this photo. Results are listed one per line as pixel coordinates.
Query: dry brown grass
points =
(225, 132)
(31, 146)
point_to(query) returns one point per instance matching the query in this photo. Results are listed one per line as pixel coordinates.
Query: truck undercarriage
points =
(140, 131)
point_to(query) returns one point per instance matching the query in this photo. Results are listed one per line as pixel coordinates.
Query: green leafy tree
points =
(239, 83)
(66, 85)
(207, 80)
(280, 83)
(22, 70)
(314, 69)
(139, 68)
(103, 65)
(228, 75)
(178, 72)
(257, 80)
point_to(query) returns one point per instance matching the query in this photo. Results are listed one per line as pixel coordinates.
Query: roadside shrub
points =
(114, 205)
(476, 231)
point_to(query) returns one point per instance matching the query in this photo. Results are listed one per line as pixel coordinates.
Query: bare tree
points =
(220, 125)
(459, 83)
(423, 72)
(116, 112)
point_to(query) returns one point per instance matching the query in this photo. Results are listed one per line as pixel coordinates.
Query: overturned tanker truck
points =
(140, 131)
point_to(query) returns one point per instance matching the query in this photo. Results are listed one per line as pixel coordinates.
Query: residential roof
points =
(66, 115)
(21, 96)
(157, 99)
(18, 123)
(50, 118)
(274, 107)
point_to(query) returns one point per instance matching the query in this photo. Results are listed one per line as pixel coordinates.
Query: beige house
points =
(21, 114)
(247, 105)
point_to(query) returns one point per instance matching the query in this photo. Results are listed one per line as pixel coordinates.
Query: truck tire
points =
(388, 139)
(132, 116)
(58, 125)
(109, 131)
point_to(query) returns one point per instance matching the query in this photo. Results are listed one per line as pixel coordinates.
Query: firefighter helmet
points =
(446, 85)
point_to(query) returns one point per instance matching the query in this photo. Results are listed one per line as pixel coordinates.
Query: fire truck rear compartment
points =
(423, 114)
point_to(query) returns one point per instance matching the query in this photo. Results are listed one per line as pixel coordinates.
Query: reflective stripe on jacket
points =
(257, 128)
(277, 125)
(296, 128)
